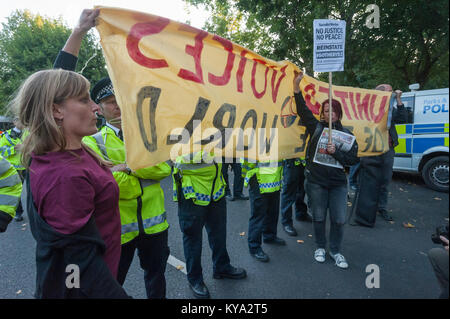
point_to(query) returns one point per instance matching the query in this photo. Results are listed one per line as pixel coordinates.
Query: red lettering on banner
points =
(315, 108)
(257, 94)
(323, 89)
(225, 78)
(380, 115)
(137, 32)
(343, 96)
(363, 106)
(240, 71)
(350, 95)
(372, 105)
(195, 52)
(275, 90)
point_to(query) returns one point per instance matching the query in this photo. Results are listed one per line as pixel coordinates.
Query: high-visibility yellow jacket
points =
(8, 141)
(10, 190)
(141, 198)
(201, 178)
(268, 174)
(300, 161)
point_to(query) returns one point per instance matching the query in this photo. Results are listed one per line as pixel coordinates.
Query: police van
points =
(423, 140)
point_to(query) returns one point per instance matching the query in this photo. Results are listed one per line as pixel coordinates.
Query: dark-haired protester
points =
(375, 173)
(141, 200)
(71, 196)
(326, 186)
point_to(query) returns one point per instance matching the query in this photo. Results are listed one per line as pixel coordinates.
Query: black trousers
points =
(153, 251)
(192, 219)
(264, 211)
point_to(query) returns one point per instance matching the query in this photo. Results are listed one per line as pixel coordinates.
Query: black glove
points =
(5, 219)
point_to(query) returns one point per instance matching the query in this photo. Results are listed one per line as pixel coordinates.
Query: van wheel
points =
(435, 173)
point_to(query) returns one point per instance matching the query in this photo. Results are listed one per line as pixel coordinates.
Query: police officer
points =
(238, 181)
(10, 190)
(264, 179)
(293, 191)
(141, 201)
(199, 189)
(10, 145)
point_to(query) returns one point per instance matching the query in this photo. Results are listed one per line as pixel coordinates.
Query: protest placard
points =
(329, 45)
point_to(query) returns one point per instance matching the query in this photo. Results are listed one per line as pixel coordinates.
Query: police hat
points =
(102, 89)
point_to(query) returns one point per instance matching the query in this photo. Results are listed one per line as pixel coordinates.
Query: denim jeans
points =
(334, 200)
(352, 180)
(238, 181)
(292, 192)
(192, 219)
(153, 252)
(264, 210)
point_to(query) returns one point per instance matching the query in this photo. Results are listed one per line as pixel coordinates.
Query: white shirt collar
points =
(115, 129)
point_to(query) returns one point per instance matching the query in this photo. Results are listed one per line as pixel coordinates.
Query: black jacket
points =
(56, 251)
(321, 174)
(65, 61)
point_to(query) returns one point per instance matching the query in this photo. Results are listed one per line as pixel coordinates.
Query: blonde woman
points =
(72, 197)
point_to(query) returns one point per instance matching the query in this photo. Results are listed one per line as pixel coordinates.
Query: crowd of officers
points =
(199, 187)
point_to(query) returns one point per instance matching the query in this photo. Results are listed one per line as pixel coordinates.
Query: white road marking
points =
(178, 264)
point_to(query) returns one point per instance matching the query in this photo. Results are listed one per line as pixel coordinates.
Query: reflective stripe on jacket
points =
(202, 179)
(8, 141)
(268, 174)
(10, 188)
(141, 198)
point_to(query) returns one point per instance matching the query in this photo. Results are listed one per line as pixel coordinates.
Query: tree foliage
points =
(29, 43)
(411, 44)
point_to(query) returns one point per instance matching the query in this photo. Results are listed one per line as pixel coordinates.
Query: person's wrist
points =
(79, 31)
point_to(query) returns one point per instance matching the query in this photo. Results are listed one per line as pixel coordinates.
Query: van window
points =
(408, 102)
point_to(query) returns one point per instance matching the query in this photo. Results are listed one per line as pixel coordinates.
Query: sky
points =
(70, 10)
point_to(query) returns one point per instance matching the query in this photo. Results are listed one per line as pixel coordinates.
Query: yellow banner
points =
(182, 89)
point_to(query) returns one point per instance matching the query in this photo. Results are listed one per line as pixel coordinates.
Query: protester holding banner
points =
(71, 196)
(141, 200)
(375, 173)
(199, 189)
(293, 192)
(264, 181)
(326, 181)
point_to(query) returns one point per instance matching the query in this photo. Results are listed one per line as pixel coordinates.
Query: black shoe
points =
(200, 290)
(290, 230)
(18, 218)
(241, 197)
(275, 241)
(231, 273)
(304, 217)
(261, 256)
(386, 216)
(230, 198)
